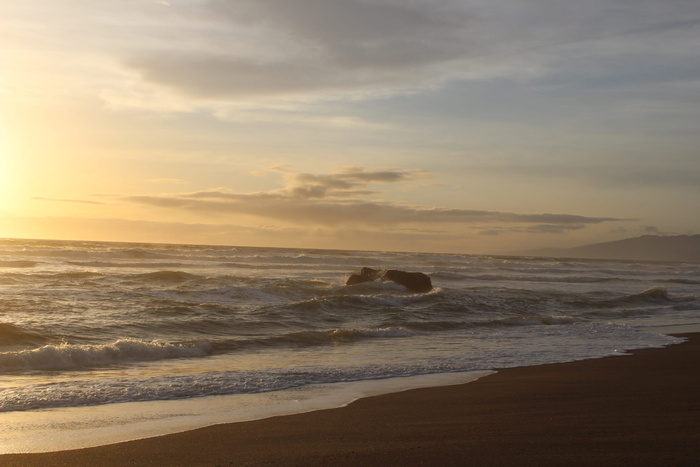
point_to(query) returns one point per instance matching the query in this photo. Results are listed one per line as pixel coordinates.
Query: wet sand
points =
(639, 410)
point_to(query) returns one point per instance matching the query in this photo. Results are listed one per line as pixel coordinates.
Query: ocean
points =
(103, 342)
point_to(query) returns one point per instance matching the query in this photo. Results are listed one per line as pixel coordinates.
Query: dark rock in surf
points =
(413, 281)
(365, 275)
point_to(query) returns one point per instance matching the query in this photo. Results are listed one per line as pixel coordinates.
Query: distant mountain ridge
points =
(681, 248)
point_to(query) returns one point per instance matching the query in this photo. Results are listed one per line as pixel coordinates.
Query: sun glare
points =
(7, 170)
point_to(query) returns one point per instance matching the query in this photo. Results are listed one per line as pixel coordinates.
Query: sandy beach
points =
(636, 410)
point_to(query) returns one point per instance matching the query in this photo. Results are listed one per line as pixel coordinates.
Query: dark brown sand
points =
(639, 410)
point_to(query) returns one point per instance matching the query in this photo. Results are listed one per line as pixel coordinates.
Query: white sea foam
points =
(83, 427)
(66, 356)
(281, 318)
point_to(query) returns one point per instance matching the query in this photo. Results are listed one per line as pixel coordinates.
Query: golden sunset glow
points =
(222, 211)
(201, 122)
(8, 181)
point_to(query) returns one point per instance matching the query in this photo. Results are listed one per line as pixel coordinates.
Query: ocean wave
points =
(266, 265)
(58, 249)
(448, 275)
(650, 300)
(312, 338)
(120, 264)
(54, 279)
(18, 264)
(359, 300)
(60, 276)
(13, 335)
(544, 278)
(227, 257)
(92, 391)
(436, 326)
(690, 305)
(510, 321)
(531, 321)
(76, 357)
(185, 386)
(350, 335)
(619, 313)
(683, 281)
(655, 294)
(165, 276)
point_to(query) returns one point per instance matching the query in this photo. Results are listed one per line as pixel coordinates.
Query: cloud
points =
(646, 230)
(540, 228)
(167, 181)
(331, 201)
(305, 211)
(302, 46)
(615, 164)
(360, 47)
(78, 201)
(218, 53)
(348, 181)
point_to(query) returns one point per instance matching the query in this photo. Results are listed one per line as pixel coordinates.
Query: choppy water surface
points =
(87, 323)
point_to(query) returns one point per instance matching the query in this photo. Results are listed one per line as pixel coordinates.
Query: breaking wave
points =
(654, 294)
(223, 320)
(75, 357)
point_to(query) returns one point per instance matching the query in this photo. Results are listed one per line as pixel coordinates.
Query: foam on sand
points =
(74, 428)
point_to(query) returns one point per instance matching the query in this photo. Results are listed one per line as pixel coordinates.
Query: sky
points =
(462, 126)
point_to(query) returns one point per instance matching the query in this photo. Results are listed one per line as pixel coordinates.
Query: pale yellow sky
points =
(453, 126)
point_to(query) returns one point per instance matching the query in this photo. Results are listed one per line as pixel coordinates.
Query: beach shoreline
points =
(639, 409)
(82, 427)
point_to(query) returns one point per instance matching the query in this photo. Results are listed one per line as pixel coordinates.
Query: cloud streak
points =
(348, 181)
(331, 201)
(77, 201)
